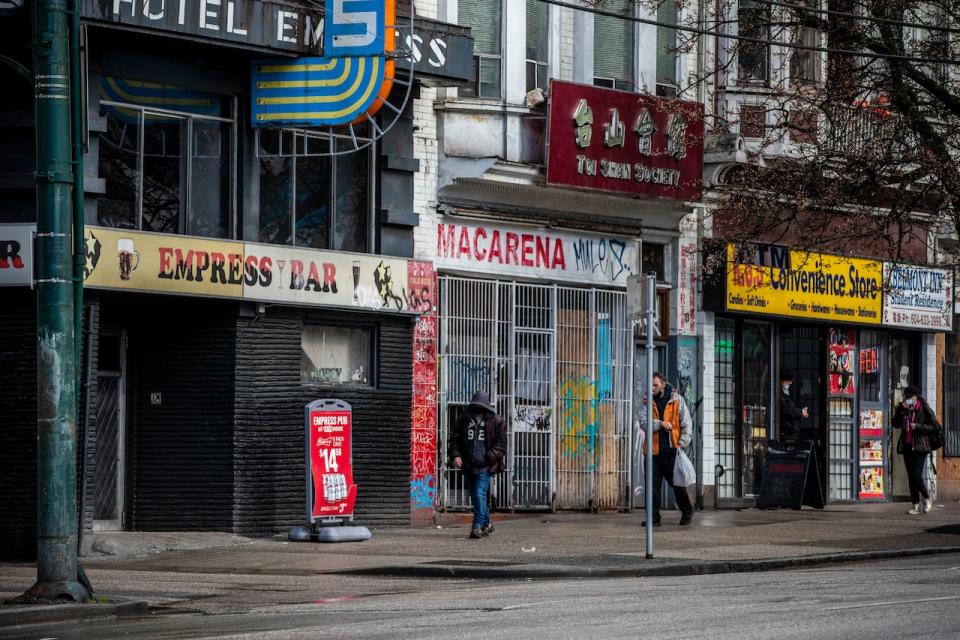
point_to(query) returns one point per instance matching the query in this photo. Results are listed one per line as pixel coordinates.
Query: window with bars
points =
(538, 69)
(726, 412)
(667, 49)
(485, 19)
(753, 58)
(309, 198)
(614, 47)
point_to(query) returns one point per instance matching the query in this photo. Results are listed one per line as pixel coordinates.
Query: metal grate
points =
(557, 362)
(951, 401)
(105, 454)
(726, 419)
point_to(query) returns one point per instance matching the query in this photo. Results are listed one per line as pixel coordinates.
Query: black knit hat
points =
(912, 390)
(786, 374)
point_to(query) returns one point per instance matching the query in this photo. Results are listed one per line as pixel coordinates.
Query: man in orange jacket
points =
(672, 428)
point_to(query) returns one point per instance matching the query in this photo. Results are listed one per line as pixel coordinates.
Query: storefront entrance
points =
(556, 362)
(850, 381)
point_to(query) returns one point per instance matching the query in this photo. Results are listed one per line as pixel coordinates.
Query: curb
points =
(13, 616)
(676, 569)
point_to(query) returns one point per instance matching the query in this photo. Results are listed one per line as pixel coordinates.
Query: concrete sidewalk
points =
(531, 546)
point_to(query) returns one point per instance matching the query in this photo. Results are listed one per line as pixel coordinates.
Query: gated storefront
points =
(557, 362)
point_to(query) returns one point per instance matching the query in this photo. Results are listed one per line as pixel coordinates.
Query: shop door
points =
(903, 371)
(110, 434)
(803, 351)
(743, 390)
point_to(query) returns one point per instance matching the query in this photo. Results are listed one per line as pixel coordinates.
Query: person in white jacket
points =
(672, 430)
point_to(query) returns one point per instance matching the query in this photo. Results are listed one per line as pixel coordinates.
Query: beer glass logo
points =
(128, 258)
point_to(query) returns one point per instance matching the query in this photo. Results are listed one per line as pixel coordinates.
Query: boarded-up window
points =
(753, 121)
(803, 126)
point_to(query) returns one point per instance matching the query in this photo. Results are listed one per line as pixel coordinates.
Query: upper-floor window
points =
(667, 49)
(166, 159)
(484, 17)
(613, 46)
(537, 44)
(753, 56)
(805, 62)
(310, 198)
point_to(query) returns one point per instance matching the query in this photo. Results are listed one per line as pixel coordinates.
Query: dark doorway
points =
(802, 351)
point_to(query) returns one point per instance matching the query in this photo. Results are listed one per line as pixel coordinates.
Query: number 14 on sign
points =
(330, 459)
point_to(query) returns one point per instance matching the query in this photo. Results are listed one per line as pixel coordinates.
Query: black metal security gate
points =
(109, 435)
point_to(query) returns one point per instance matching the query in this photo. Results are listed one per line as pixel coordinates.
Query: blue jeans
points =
(478, 485)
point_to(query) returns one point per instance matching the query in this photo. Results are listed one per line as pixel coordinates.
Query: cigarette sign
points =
(331, 492)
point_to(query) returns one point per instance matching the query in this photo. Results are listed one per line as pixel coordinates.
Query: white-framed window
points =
(667, 49)
(805, 63)
(485, 19)
(538, 39)
(309, 198)
(336, 355)
(753, 57)
(167, 159)
(614, 46)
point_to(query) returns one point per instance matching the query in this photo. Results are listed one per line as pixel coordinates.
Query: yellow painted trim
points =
(361, 67)
(297, 84)
(263, 117)
(145, 101)
(287, 68)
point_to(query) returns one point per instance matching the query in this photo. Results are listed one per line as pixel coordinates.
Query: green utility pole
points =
(56, 350)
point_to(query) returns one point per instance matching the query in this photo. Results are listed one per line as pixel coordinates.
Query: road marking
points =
(892, 602)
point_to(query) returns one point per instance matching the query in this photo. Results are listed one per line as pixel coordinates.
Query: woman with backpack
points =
(918, 425)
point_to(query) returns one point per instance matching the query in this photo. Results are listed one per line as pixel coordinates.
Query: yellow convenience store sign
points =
(813, 286)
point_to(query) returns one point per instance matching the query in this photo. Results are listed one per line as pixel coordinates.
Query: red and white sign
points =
(329, 432)
(621, 141)
(687, 289)
(549, 254)
(16, 254)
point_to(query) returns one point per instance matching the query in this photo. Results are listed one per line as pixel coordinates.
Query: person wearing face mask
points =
(790, 413)
(914, 417)
(672, 429)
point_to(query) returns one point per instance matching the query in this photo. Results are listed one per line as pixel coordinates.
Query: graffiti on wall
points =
(579, 417)
(529, 417)
(423, 492)
(423, 407)
(467, 375)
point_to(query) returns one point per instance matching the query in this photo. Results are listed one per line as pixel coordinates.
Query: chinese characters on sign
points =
(621, 141)
(687, 288)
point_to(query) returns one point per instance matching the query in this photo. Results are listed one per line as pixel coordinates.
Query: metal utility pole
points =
(56, 350)
(648, 464)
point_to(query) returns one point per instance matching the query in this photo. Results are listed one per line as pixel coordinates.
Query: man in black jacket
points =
(790, 413)
(478, 447)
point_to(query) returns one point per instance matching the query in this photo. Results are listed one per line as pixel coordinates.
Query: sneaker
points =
(476, 534)
(686, 519)
(656, 522)
(487, 529)
(915, 511)
(927, 505)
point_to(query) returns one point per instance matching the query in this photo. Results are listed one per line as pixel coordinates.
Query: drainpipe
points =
(56, 350)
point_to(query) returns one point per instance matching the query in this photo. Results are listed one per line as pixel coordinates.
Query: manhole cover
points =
(472, 563)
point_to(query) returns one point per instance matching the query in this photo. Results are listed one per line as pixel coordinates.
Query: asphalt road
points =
(912, 598)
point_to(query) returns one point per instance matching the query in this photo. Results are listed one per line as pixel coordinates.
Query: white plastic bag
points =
(683, 472)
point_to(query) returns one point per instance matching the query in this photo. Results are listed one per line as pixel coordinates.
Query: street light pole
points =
(648, 464)
(56, 351)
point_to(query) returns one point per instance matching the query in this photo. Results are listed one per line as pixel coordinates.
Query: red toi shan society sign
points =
(627, 142)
